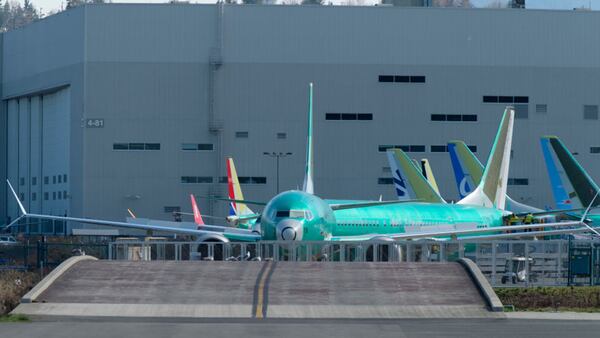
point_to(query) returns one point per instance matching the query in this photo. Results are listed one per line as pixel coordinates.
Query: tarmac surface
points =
(488, 328)
(262, 290)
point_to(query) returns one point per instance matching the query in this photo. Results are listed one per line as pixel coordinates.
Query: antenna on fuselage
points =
(308, 186)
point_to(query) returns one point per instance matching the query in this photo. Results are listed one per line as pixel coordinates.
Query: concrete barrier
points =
(52, 276)
(482, 283)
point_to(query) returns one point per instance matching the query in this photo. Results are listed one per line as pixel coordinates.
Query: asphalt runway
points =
(488, 328)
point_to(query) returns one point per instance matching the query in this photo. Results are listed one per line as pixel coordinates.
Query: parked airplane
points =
(297, 215)
(468, 172)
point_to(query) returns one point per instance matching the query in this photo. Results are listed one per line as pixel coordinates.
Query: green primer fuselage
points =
(321, 222)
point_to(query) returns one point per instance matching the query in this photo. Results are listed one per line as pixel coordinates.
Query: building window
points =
(454, 117)
(34, 180)
(136, 146)
(521, 111)
(65, 194)
(46, 196)
(541, 108)
(64, 178)
(505, 99)
(33, 196)
(595, 150)
(46, 180)
(54, 179)
(590, 112)
(518, 181)
(402, 78)
(196, 179)
(472, 148)
(385, 180)
(170, 210)
(59, 179)
(241, 134)
(54, 195)
(197, 146)
(405, 148)
(252, 180)
(386, 169)
(439, 149)
(281, 136)
(22, 181)
(349, 117)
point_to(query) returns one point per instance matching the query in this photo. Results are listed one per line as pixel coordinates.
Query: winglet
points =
(491, 191)
(131, 214)
(23, 211)
(308, 185)
(197, 216)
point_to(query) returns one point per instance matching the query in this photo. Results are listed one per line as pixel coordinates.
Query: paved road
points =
(488, 328)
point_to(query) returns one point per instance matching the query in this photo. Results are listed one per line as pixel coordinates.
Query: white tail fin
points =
(308, 185)
(491, 191)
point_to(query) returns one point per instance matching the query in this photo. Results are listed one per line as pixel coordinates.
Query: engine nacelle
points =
(206, 250)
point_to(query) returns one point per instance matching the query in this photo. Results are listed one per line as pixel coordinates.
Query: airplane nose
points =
(289, 230)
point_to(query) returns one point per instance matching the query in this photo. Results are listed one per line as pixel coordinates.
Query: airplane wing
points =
(466, 232)
(233, 234)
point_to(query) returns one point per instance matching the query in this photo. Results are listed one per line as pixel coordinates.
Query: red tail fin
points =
(197, 215)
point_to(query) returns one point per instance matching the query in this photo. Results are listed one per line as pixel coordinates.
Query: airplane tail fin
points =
(428, 174)
(410, 184)
(235, 191)
(308, 185)
(467, 168)
(197, 216)
(585, 189)
(491, 191)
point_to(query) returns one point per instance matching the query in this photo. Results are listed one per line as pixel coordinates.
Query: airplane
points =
(300, 215)
(468, 172)
(577, 189)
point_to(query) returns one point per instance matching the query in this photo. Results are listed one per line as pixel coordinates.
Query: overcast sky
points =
(53, 5)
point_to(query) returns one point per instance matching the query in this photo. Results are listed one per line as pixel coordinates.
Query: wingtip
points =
(23, 211)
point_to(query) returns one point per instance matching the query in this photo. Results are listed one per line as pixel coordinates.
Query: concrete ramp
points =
(260, 290)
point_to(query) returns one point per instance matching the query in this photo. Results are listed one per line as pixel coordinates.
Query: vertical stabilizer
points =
(584, 186)
(467, 168)
(408, 180)
(197, 215)
(235, 191)
(308, 185)
(428, 173)
(491, 191)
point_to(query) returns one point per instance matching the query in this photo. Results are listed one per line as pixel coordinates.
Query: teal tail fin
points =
(308, 185)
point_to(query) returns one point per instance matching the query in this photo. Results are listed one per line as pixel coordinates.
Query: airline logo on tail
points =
(197, 216)
(464, 181)
(235, 191)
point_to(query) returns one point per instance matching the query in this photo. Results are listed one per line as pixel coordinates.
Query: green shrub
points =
(13, 285)
(579, 297)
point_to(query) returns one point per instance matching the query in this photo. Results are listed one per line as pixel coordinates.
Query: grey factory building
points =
(116, 106)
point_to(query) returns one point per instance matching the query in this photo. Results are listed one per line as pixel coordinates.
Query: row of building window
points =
(505, 99)
(454, 117)
(55, 179)
(60, 195)
(419, 148)
(349, 117)
(197, 146)
(136, 146)
(402, 78)
(511, 181)
(444, 148)
(223, 179)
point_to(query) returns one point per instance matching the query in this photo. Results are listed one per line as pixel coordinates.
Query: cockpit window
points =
(282, 213)
(297, 213)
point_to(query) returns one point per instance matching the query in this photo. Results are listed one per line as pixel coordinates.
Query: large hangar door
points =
(39, 128)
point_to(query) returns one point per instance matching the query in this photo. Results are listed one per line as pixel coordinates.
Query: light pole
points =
(277, 156)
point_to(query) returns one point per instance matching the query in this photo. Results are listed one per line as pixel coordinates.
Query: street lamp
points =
(277, 156)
